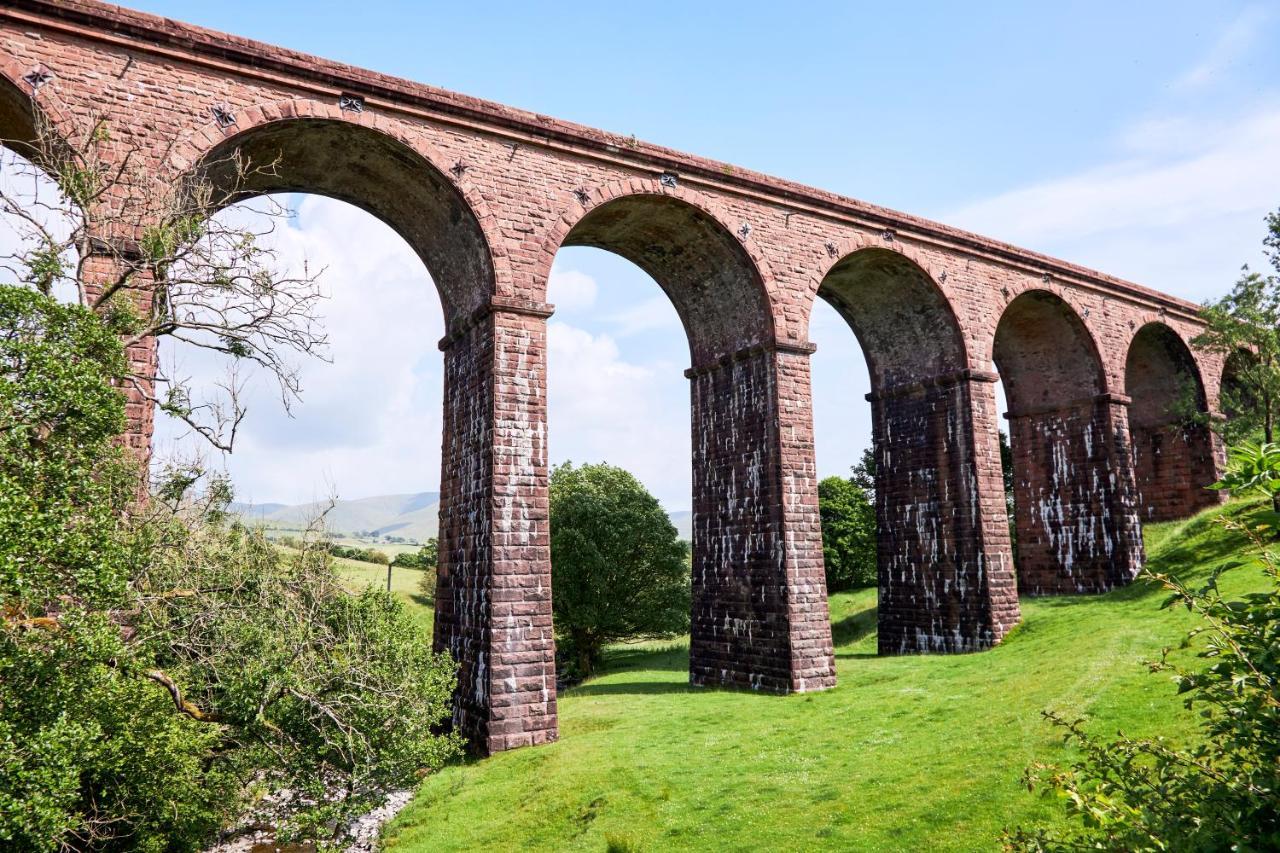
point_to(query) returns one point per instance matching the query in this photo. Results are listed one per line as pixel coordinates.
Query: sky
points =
(1142, 139)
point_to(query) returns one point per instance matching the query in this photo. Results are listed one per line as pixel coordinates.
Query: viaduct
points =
(487, 195)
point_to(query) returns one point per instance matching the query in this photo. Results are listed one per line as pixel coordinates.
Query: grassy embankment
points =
(907, 753)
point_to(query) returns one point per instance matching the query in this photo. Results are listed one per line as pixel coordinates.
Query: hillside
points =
(907, 753)
(412, 516)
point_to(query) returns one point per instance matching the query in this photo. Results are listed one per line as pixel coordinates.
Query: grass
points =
(907, 753)
(391, 549)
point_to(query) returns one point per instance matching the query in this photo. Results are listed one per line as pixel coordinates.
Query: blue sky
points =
(1139, 138)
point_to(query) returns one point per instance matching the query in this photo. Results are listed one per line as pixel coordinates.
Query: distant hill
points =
(407, 516)
(683, 521)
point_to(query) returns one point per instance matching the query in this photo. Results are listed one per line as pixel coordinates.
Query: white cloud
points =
(1180, 219)
(655, 314)
(603, 408)
(1231, 45)
(570, 290)
(369, 422)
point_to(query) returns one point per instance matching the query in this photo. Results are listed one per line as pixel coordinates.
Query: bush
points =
(620, 570)
(363, 555)
(424, 558)
(162, 670)
(1221, 793)
(848, 534)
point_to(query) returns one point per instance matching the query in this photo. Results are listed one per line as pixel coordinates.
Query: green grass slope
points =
(907, 753)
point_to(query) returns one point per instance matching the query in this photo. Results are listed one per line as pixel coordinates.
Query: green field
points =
(404, 585)
(907, 753)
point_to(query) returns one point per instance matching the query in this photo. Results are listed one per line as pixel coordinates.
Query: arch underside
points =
(1045, 355)
(380, 175)
(906, 328)
(1074, 496)
(18, 123)
(703, 269)
(1175, 452)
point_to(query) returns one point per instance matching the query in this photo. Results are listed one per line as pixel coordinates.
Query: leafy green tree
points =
(1221, 792)
(1244, 328)
(863, 474)
(848, 534)
(620, 570)
(427, 559)
(162, 670)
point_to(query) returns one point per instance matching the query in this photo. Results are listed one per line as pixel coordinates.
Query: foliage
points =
(272, 645)
(863, 474)
(195, 279)
(1244, 328)
(620, 570)
(425, 558)
(161, 669)
(848, 534)
(906, 752)
(1221, 792)
(364, 555)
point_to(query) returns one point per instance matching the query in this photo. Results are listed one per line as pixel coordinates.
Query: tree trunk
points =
(584, 658)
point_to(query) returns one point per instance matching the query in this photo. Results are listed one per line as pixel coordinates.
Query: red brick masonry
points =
(487, 194)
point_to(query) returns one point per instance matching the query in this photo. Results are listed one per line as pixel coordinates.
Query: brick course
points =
(486, 194)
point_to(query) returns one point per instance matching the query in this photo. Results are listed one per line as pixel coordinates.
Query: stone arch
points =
(758, 609)
(1174, 452)
(1074, 494)
(944, 569)
(903, 321)
(1045, 354)
(23, 105)
(715, 278)
(1159, 369)
(367, 161)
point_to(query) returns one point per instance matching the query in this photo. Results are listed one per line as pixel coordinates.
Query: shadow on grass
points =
(632, 688)
(855, 628)
(672, 658)
(423, 600)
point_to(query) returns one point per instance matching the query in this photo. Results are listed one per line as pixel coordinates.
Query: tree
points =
(161, 668)
(152, 252)
(1244, 328)
(848, 533)
(1219, 793)
(620, 570)
(425, 557)
(863, 474)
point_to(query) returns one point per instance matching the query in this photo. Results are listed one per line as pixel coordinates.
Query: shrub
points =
(160, 669)
(1221, 793)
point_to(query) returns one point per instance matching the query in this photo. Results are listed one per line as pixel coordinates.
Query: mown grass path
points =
(907, 753)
